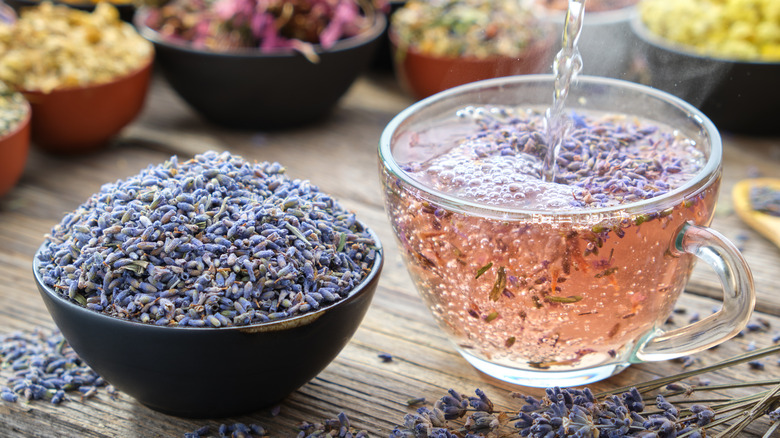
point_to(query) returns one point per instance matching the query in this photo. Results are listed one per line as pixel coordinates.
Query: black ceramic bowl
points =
(739, 96)
(254, 89)
(126, 10)
(211, 372)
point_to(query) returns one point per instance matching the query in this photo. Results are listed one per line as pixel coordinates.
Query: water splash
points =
(566, 66)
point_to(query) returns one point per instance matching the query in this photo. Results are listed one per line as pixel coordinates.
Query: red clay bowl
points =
(14, 147)
(83, 119)
(738, 96)
(211, 372)
(423, 75)
(252, 89)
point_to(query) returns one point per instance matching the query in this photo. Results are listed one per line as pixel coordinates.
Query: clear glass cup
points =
(571, 296)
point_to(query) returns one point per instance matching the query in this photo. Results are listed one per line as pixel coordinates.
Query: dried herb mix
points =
(215, 241)
(13, 109)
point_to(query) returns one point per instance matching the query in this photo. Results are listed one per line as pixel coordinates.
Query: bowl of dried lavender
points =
(211, 287)
(249, 64)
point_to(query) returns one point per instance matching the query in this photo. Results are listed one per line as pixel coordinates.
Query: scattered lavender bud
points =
(694, 318)
(415, 401)
(275, 410)
(756, 365)
(687, 361)
(756, 326)
(235, 430)
(386, 357)
(45, 367)
(334, 427)
(751, 346)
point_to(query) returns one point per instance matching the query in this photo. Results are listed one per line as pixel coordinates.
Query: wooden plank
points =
(339, 155)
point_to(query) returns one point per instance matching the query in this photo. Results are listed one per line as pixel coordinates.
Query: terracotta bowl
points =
(82, 119)
(252, 89)
(14, 147)
(211, 372)
(738, 96)
(422, 75)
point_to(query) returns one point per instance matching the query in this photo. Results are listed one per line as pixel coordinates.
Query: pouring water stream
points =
(566, 66)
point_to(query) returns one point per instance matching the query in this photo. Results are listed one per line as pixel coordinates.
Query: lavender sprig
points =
(636, 411)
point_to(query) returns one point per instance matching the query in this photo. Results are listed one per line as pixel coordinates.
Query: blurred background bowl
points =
(211, 372)
(126, 10)
(383, 58)
(423, 75)
(14, 147)
(253, 89)
(739, 96)
(606, 43)
(86, 118)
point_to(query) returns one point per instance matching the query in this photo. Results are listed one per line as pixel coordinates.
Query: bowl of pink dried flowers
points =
(262, 63)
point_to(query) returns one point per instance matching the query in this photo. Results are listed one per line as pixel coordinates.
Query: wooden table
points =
(339, 155)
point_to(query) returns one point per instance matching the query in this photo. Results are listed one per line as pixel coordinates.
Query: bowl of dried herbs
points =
(210, 287)
(85, 74)
(253, 64)
(445, 43)
(14, 137)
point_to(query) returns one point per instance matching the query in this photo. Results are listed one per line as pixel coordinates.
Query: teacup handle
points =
(738, 298)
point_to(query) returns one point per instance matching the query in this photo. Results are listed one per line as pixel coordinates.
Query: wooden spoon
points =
(767, 225)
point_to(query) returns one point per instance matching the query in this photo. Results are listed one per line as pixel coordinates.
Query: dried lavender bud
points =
(765, 199)
(694, 318)
(415, 401)
(669, 410)
(189, 243)
(633, 400)
(756, 365)
(482, 421)
(774, 415)
(385, 357)
(334, 427)
(481, 402)
(45, 367)
(704, 414)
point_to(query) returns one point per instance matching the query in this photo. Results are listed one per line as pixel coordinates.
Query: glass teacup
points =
(549, 291)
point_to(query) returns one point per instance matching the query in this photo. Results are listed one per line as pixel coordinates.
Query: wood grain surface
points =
(339, 155)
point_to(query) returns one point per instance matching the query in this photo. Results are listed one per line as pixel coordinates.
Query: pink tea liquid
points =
(562, 291)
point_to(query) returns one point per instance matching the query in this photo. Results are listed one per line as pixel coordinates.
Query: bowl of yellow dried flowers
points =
(439, 44)
(262, 64)
(721, 56)
(85, 75)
